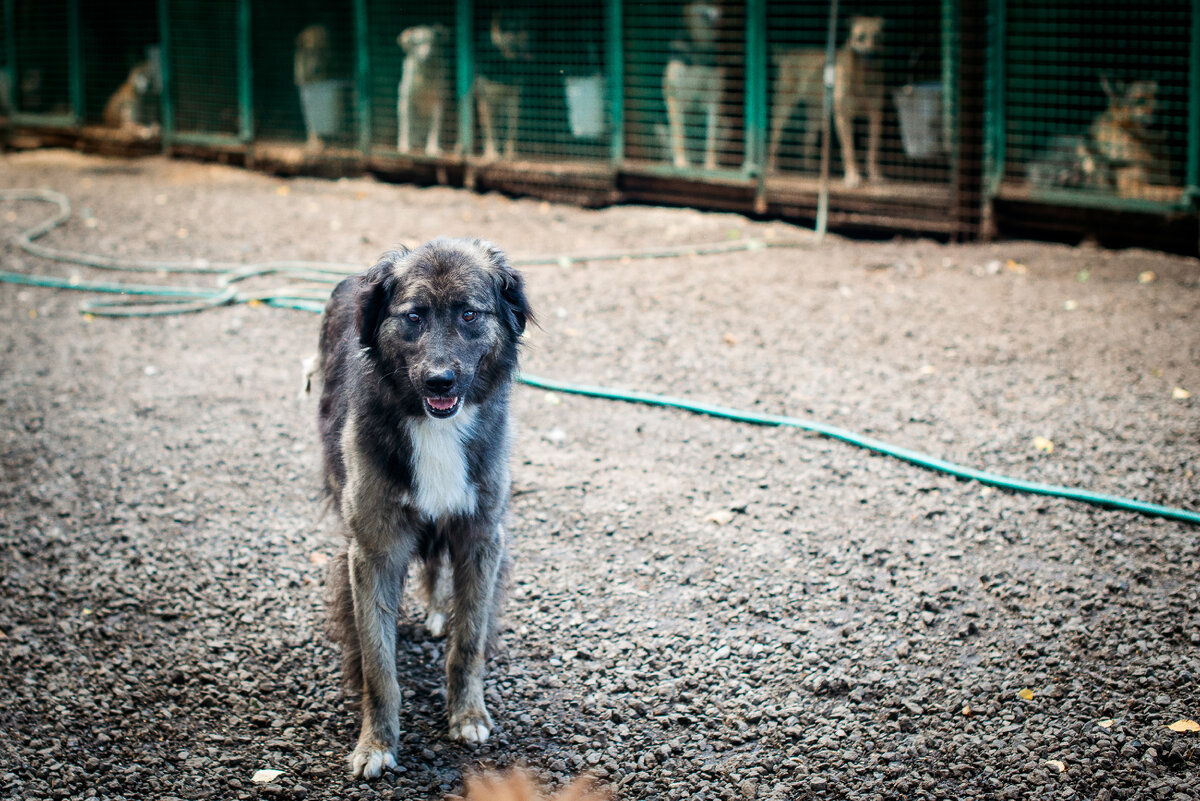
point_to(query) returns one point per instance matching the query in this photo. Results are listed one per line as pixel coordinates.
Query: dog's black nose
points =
(440, 383)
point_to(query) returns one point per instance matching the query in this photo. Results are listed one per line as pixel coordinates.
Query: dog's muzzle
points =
(441, 401)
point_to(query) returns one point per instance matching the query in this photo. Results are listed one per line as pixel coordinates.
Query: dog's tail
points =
(339, 626)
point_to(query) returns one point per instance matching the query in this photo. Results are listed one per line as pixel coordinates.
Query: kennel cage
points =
(685, 85)
(45, 86)
(540, 87)
(304, 80)
(122, 64)
(1094, 103)
(206, 88)
(596, 86)
(898, 59)
(386, 22)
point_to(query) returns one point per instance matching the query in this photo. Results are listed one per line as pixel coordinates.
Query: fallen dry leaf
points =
(318, 558)
(1057, 765)
(1107, 723)
(966, 711)
(1044, 445)
(1146, 277)
(1070, 305)
(1027, 694)
(1015, 267)
(1184, 725)
(283, 189)
(1179, 393)
(730, 339)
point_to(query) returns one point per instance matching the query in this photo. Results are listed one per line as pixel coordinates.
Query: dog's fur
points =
(498, 87)
(133, 107)
(417, 356)
(1129, 156)
(694, 81)
(424, 85)
(858, 91)
(517, 786)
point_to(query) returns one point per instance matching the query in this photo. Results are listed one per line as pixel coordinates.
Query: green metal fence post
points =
(465, 74)
(971, 206)
(245, 65)
(10, 49)
(756, 86)
(614, 32)
(1193, 134)
(75, 62)
(167, 98)
(994, 119)
(362, 75)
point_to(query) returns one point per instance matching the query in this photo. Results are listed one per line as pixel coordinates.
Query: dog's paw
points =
(369, 760)
(435, 624)
(471, 728)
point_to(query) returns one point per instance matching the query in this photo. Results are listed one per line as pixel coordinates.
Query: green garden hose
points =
(139, 300)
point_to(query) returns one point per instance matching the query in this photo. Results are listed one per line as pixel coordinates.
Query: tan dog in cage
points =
(133, 106)
(1128, 154)
(857, 92)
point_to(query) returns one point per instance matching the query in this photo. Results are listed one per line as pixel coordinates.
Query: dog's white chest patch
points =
(441, 485)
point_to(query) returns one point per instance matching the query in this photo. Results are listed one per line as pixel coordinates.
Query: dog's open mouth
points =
(442, 407)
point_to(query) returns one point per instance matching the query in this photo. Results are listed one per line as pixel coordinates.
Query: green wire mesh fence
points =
(716, 103)
(1094, 101)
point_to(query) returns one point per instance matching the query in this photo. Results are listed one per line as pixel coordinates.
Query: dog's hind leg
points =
(432, 143)
(710, 130)
(403, 113)
(376, 582)
(477, 560)
(874, 134)
(436, 589)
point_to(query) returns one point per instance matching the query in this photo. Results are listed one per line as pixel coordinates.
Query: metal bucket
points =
(919, 107)
(585, 106)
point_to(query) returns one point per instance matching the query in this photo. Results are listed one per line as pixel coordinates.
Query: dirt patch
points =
(700, 609)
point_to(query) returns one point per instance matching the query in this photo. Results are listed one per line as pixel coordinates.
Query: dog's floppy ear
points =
(510, 290)
(376, 287)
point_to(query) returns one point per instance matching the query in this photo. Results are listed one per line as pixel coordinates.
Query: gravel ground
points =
(700, 609)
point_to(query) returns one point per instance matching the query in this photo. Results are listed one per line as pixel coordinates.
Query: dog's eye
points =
(470, 315)
(413, 317)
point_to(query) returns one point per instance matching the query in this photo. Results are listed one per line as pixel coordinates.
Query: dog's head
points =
(1132, 105)
(442, 322)
(866, 35)
(700, 21)
(420, 41)
(313, 39)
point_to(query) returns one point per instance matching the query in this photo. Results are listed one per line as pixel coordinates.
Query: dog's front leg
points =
(476, 572)
(486, 122)
(711, 108)
(512, 109)
(376, 581)
(844, 121)
(676, 120)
